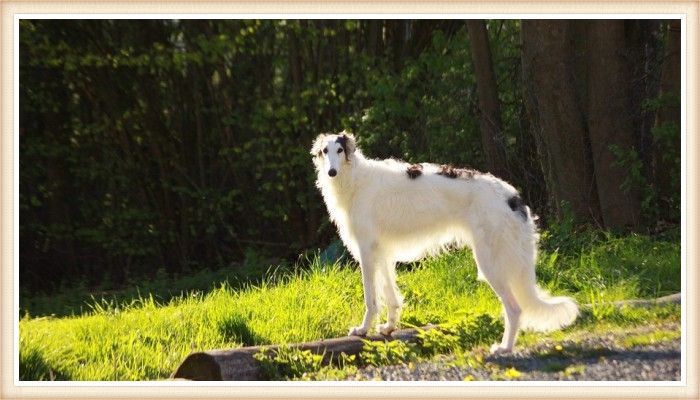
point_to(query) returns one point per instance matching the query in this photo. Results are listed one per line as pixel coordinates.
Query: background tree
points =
(548, 57)
(610, 127)
(592, 132)
(666, 137)
(489, 115)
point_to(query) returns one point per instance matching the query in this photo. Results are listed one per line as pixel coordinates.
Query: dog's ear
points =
(318, 145)
(349, 142)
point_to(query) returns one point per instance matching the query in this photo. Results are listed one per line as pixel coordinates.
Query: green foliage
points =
(667, 140)
(380, 353)
(182, 144)
(629, 159)
(437, 341)
(329, 373)
(636, 181)
(414, 115)
(170, 143)
(667, 136)
(477, 329)
(285, 363)
(468, 332)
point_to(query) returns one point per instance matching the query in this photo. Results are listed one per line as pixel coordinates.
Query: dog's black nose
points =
(332, 172)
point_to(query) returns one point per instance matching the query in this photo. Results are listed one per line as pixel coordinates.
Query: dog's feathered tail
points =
(540, 311)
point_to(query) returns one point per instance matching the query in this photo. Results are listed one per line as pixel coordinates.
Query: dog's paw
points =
(496, 349)
(386, 329)
(357, 331)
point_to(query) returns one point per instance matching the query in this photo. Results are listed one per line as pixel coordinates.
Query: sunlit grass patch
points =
(650, 338)
(144, 338)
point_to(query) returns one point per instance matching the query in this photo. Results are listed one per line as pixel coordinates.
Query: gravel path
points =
(591, 358)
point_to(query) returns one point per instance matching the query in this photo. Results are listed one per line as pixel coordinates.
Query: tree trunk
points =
(643, 44)
(668, 122)
(375, 41)
(295, 66)
(525, 168)
(556, 114)
(489, 107)
(397, 42)
(610, 124)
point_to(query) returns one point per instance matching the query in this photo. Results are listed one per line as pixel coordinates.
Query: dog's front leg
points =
(368, 267)
(391, 295)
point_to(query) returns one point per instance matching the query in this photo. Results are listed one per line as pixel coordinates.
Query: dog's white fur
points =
(384, 217)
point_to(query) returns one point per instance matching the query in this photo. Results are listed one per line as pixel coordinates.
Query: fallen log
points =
(671, 298)
(240, 365)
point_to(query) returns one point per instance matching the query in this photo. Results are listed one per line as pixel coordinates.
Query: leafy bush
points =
(392, 352)
(284, 363)
(182, 144)
(470, 331)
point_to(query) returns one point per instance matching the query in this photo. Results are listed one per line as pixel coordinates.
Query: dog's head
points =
(332, 152)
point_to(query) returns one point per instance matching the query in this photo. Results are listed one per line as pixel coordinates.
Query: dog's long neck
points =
(338, 192)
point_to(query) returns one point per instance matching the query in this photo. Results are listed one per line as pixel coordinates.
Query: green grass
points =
(144, 338)
(650, 338)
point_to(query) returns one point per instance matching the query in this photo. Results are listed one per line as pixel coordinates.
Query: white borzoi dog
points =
(388, 211)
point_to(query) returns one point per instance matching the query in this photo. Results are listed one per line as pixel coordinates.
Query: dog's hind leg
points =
(392, 296)
(498, 282)
(512, 319)
(368, 265)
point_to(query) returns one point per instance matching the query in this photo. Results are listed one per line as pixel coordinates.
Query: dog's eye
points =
(325, 151)
(340, 150)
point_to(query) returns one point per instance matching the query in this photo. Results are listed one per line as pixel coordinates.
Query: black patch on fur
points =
(414, 171)
(516, 204)
(343, 141)
(449, 171)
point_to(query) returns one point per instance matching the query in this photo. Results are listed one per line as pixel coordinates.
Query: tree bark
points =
(559, 123)
(668, 116)
(397, 29)
(295, 66)
(643, 47)
(489, 106)
(610, 124)
(375, 41)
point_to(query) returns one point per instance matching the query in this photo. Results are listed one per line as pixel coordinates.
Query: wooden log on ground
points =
(645, 303)
(240, 365)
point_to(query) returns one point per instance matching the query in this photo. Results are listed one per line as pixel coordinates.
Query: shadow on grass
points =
(235, 329)
(79, 299)
(33, 367)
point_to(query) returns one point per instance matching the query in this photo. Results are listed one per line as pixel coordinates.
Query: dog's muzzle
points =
(332, 172)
